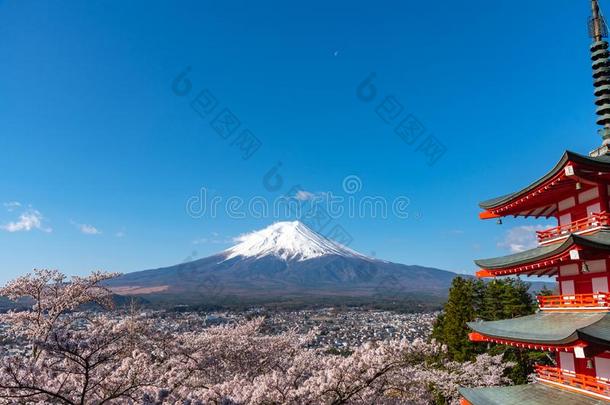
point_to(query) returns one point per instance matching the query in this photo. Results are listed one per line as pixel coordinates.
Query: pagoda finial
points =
(598, 30)
(597, 25)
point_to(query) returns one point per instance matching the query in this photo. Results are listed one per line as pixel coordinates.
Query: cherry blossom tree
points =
(76, 355)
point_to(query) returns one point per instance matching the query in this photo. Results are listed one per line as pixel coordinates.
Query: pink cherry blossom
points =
(75, 355)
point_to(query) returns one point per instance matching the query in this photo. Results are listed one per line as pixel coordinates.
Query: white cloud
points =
(215, 238)
(89, 229)
(12, 205)
(120, 234)
(303, 195)
(521, 238)
(27, 221)
(86, 228)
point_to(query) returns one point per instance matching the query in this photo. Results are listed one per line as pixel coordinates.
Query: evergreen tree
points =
(438, 329)
(479, 293)
(516, 299)
(544, 291)
(493, 308)
(470, 299)
(460, 308)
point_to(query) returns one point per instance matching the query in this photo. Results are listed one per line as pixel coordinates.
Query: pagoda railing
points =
(583, 383)
(597, 301)
(593, 221)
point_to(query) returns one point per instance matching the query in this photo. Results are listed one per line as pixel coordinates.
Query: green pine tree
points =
(460, 308)
(544, 291)
(438, 329)
(516, 299)
(493, 308)
(470, 299)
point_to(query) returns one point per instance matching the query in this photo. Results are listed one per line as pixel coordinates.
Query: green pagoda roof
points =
(552, 328)
(598, 240)
(598, 332)
(601, 162)
(530, 394)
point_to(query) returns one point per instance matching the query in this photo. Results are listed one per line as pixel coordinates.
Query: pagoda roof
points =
(549, 181)
(598, 332)
(531, 394)
(599, 240)
(549, 328)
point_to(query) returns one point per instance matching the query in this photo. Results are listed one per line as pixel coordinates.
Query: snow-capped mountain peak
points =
(288, 241)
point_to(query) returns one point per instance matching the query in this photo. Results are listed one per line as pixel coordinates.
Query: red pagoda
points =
(573, 326)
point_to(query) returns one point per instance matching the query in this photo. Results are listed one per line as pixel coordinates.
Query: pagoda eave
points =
(558, 331)
(539, 199)
(530, 394)
(545, 260)
(477, 337)
(540, 267)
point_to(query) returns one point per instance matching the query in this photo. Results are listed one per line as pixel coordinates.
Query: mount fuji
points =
(288, 241)
(286, 262)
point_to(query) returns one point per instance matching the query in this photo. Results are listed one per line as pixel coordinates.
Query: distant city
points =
(334, 329)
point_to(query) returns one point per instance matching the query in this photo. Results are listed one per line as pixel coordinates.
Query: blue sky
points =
(102, 155)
